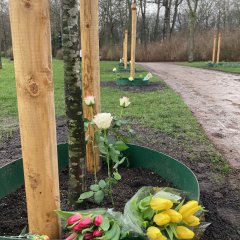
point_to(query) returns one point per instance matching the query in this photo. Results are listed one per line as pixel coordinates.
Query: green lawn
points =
(164, 110)
(230, 67)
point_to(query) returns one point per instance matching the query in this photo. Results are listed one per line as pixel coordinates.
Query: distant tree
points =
(73, 98)
(192, 7)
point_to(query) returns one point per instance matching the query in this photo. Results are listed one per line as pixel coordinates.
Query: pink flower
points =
(74, 219)
(88, 236)
(72, 236)
(86, 222)
(97, 233)
(77, 228)
(98, 220)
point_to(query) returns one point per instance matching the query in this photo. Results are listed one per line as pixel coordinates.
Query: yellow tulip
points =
(189, 209)
(192, 221)
(159, 204)
(153, 233)
(161, 219)
(184, 233)
(161, 238)
(174, 215)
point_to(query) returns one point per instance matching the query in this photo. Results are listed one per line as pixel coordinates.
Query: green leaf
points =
(105, 224)
(114, 154)
(102, 184)
(99, 196)
(86, 125)
(117, 176)
(87, 138)
(64, 215)
(102, 148)
(148, 214)
(95, 187)
(120, 146)
(97, 136)
(145, 203)
(86, 195)
(170, 233)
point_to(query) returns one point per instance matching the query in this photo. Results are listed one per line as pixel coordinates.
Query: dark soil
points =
(150, 87)
(220, 193)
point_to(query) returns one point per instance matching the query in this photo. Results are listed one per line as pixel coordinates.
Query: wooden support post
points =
(125, 49)
(214, 47)
(30, 24)
(219, 47)
(90, 70)
(133, 40)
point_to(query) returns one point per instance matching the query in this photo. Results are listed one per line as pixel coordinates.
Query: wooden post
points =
(90, 69)
(214, 47)
(219, 47)
(125, 49)
(30, 24)
(133, 47)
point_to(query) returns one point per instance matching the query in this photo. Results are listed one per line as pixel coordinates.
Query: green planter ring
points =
(11, 175)
(135, 82)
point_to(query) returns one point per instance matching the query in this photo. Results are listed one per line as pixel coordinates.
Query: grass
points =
(164, 110)
(228, 67)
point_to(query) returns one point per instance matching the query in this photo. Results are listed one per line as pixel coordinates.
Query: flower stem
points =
(121, 112)
(109, 169)
(93, 150)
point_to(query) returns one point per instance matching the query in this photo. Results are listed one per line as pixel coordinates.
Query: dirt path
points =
(214, 97)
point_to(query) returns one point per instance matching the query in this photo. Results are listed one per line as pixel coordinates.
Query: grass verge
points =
(160, 109)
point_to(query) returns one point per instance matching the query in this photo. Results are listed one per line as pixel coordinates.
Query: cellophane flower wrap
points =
(164, 214)
(99, 223)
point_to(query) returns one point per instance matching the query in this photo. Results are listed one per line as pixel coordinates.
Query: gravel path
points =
(214, 98)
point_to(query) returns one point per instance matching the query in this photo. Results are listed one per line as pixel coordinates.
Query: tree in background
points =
(73, 98)
(192, 6)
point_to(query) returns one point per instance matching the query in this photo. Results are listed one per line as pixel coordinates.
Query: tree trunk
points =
(0, 53)
(73, 99)
(191, 41)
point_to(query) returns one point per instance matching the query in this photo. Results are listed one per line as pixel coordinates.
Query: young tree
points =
(192, 6)
(73, 98)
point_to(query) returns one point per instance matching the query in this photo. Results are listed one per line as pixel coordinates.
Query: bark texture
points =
(73, 98)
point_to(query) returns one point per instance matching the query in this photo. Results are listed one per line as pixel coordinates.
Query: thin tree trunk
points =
(73, 99)
(0, 53)
(191, 41)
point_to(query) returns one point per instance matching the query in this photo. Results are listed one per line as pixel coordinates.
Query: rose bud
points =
(72, 236)
(74, 219)
(86, 222)
(88, 236)
(97, 233)
(98, 220)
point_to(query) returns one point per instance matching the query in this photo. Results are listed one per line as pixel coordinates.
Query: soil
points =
(213, 97)
(220, 194)
(152, 86)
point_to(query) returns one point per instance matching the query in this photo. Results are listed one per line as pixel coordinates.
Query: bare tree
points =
(192, 7)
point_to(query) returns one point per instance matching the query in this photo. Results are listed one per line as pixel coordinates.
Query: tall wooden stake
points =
(219, 46)
(30, 24)
(125, 49)
(90, 69)
(214, 47)
(133, 41)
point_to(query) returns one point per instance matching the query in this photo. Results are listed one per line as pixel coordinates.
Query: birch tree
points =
(73, 98)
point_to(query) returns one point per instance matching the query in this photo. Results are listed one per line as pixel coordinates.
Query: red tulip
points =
(98, 220)
(77, 228)
(72, 236)
(86, 222)
(97, 233)
(74, 219)
(88, 236)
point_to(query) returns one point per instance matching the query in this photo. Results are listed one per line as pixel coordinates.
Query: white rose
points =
(124, 102)
(114, 70)
(103, 120)
(130, 79)
(89, 100)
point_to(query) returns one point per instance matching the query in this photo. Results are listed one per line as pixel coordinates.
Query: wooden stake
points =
(133, 47)
(30, 24)
(214, 47)
(219, 47)
(125, 49)
(90, 70)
